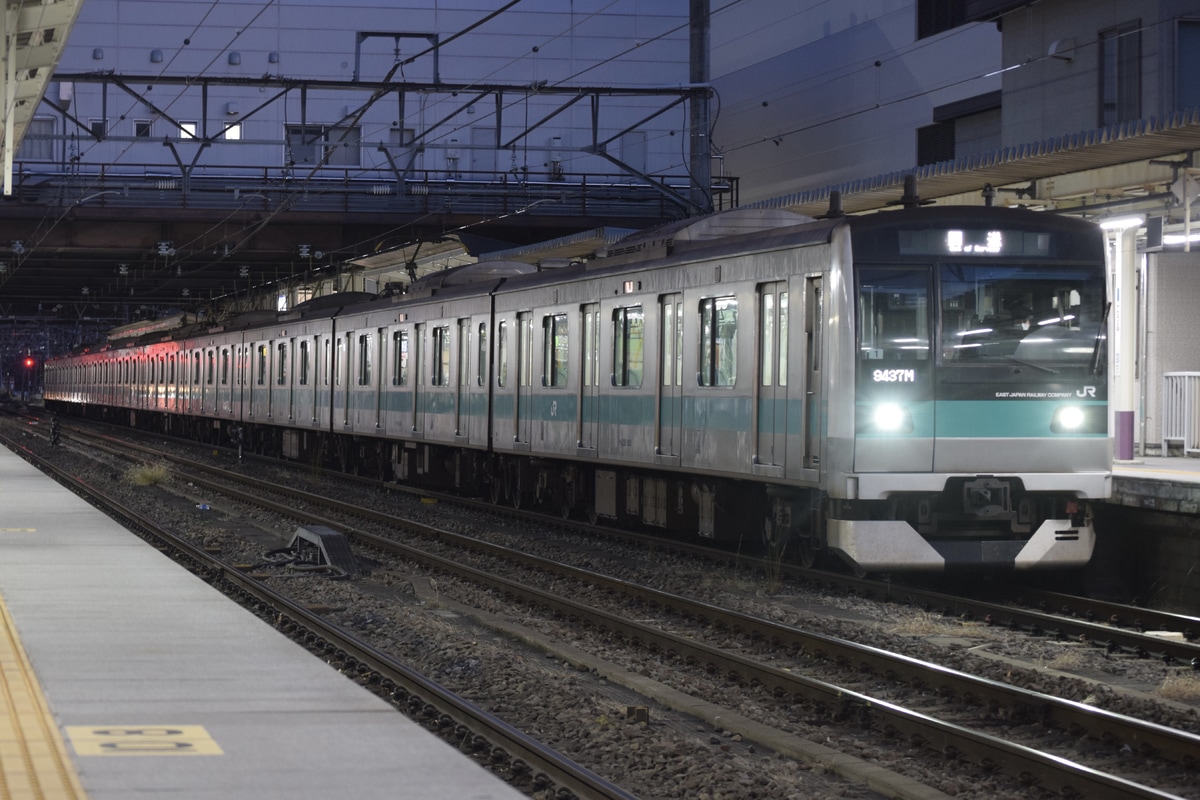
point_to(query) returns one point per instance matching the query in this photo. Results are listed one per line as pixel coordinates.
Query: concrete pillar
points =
(1123, 355)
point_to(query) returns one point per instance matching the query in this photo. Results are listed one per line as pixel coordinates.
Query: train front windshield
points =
(999, 314)
(980, 305)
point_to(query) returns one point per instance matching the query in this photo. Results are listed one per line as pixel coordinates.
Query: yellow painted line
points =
(142, 740)
(34, 762)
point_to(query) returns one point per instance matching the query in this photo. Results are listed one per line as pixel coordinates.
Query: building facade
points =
(369, 91)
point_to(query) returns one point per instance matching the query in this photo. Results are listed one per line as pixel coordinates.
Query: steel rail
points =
(1019, 760)
(521, 748)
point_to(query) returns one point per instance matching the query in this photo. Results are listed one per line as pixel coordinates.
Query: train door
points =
(772, 384)
(341, 368)
(462, 389)
(226, 388)
(589, 384)
(814, 320)
(418, 373)
(523, 413)
(480, 388)
(291, 384)
(380, 359)
(670, 401)
(502, 413)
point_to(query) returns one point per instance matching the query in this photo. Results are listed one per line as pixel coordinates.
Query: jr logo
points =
(1086, 391)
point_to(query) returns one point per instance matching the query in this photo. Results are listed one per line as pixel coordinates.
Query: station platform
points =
(123, 675)
(1158, 483)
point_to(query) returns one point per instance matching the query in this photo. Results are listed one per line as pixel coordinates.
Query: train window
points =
(281, 366)
(525, 349)
(225, 364)
(262, 364)
(773, 333)
(783, 338)
(196, 367)
(364, 360)
(1001, 313)
(400, 358)
(325, 368)
(672, 341)
(766, 317)
(441, 356)
(481, 366)
(554, 350)
(502, 353)
(591, 345)
(302, 379)
(464, 351)
(629, 336)
(893, 306)
(718, 341)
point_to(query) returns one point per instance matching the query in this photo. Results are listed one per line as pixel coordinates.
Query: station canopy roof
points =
(41, 29)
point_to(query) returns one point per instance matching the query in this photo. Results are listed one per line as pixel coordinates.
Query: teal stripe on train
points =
(985, 419)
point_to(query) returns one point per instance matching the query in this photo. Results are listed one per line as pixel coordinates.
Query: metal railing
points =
(1181, 411)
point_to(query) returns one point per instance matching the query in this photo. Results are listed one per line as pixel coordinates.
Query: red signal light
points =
(28, 362)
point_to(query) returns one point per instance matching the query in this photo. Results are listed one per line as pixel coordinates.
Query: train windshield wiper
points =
(1013, 360)
(1100, 339)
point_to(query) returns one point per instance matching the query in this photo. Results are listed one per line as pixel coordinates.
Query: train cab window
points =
(1012, 313)
(441, 356)
(554, 350)
(502, 353)
(364, 360)
(281, 365)
(718, 341)
(400, 358)
(629, 336)
(302, 378)
(893, 306)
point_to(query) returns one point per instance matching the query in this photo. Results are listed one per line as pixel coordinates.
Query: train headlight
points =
(1068, 419)
(891, 418)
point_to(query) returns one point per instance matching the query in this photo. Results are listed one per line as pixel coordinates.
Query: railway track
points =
(525, 759)
(1112, 734)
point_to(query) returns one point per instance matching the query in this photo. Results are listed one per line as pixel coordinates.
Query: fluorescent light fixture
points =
(1122, 223)
(1180, 238)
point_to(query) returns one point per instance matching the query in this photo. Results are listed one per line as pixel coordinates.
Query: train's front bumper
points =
(895, 546)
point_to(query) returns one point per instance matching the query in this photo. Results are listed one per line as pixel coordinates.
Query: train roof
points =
(667, 239)
(467, 274)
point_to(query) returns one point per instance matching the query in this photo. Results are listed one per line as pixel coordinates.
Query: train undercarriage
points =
(976, 522)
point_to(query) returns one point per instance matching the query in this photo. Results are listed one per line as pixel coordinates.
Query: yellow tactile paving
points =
(34, 763)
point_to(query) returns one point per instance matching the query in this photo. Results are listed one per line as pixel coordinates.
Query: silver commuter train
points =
(921, 389)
